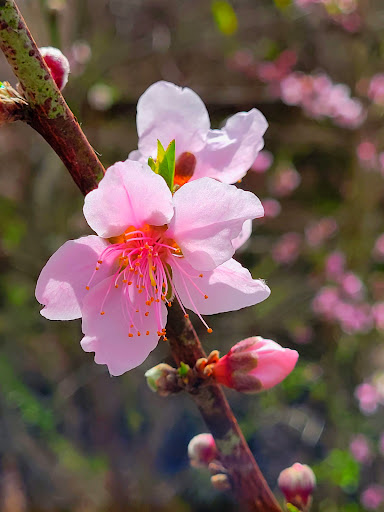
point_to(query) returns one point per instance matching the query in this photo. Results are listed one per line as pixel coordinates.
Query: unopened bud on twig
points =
(163, 379)
(202, 450)
(58, 65)
(255, 364)
(297, 484)
(12, 106)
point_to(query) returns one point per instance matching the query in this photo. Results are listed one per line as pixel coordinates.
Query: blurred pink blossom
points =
(325, 301)
(378, 250)
(378, 315)
(368, 398)
(361, 449)
(352, 285)
(272, 207)
(287, 249)
(263, 161)
(318, 232)
(376, 89)
(334, 265)
(366, 152)
(284, 181)
(372, 497)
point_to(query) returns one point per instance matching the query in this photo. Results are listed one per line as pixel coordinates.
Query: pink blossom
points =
(368, 397)
(255, 364)
(352, 285)
(366, 152)
(285, 181)
(334, 265)
(263, 162)
(372, 497)
(325, 301)
(378, 250)
(151, 247)
(287, 249)
(376, 89)
(361, 449)
(318, 232)
(168, 112)
(272, 207)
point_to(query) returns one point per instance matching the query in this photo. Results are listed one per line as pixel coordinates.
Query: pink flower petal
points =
(230, 152)
(274, 362)
(244, 236)
(130, 194)
(107, 334)
(61, 284)
(208, 216)
(229, 287)
(166, 112)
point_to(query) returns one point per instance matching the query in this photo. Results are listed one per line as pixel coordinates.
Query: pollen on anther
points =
(97, 268)
(116, 285)
(125, 281)
(140, 291)
(205, 296)
(87, 287)
(102, 312)
(186, 315)
(100, 262)
(138, 333)
(165, 338)
(129, 282)
(209, 330)
(147, 333)
(146, 313)
(130, 335)
(131, 326)
(169, 304)
(200, 275)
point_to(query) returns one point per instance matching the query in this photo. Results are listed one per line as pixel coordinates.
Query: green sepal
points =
(183, 369)
(152, 165)
(292, 508)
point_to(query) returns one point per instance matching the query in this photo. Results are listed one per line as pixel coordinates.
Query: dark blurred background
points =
(74, 439)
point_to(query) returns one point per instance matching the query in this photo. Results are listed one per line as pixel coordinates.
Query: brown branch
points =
(248, 483)
(48, 113)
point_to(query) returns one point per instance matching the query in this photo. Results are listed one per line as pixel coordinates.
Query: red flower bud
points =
(58, 65)
(297, 484)
(202, 450)
(255, 364)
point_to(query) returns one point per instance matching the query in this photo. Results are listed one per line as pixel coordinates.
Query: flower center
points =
(140, 259)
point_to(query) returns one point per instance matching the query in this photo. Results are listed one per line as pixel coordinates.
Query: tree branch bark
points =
(48, 113)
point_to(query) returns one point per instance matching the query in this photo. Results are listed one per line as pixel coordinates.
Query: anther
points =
(130, 335)
(209, 330)
(87, 287)
(186, 315)
(131, 326)
(205, 296)
(165, 338)
(200, 275)
(169, 304)
(116, 285)
(129, 282)
(100, 262)
(97, 268)
(147, 333)
(125, 281)
(102, 312)
(141, 275)
(153, 267)
(138, 333)
(146, 313)
(140, 291)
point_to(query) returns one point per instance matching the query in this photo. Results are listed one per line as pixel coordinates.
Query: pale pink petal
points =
(229, 287)
(275, 362)
(230, 152)
(208, 216)
(130, 194)
(61, 284)
(245, 233)
(166, 112)
(107, 334)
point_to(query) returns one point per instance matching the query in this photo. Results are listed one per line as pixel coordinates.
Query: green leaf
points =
(183, 369)
(225, 17)
(292, 508)
(152, 165)
(165, 163)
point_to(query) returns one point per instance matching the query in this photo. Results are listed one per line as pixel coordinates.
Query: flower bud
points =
(297, 484)
(255, 364)
(162, 379)
(58, 65)
(202, 450)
